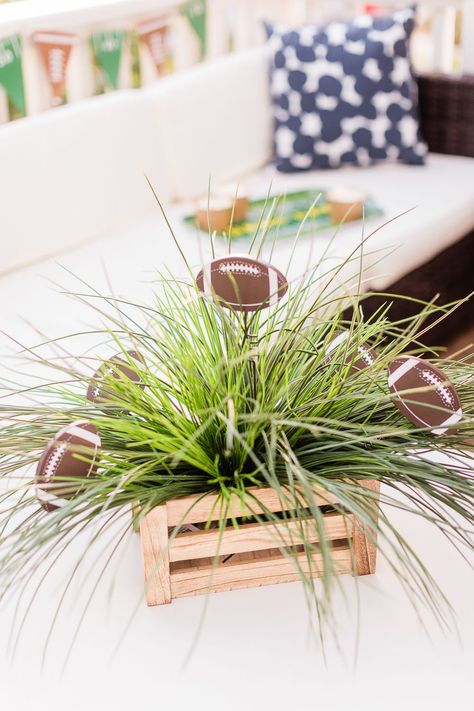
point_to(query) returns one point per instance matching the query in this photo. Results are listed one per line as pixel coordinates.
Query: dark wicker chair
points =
(447, 120)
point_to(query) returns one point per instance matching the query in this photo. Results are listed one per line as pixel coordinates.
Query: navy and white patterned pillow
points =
(345, 93)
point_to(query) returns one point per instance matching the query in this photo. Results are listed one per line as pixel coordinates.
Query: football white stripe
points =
(451, 420)
(273, 287)
(337, 341)
(85, 435)
(47, 497)
(207, 281)
(401, 371)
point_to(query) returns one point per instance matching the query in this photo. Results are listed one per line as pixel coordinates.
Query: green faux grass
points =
(219, 415)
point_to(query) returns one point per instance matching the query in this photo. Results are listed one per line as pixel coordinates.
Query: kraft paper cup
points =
(345, 203)
(214, 215)
(238, 199)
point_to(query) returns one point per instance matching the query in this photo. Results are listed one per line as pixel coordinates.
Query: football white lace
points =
(240, 268)
(96, 392)
(442, 390)
(107, 371)
(54, 461)
(366, 355)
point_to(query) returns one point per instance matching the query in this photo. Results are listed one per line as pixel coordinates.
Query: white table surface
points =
(254, 650)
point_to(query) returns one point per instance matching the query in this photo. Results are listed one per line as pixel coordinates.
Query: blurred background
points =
(107, 45)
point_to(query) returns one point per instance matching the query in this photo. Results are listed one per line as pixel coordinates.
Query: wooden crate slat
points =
(211, 508)
(252, 537)
(258, 571)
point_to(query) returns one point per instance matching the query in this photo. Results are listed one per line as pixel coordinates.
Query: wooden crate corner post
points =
(364, 543)
(155, 545)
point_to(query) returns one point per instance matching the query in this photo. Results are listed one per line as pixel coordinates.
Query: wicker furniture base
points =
(447, 113)
(446, 116)
(450, 275)
(250, 555)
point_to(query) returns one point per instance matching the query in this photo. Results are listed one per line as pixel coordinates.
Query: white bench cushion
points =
(441, 194)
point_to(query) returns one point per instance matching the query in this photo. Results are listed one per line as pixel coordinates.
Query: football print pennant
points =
(195, 11)
(107, 48)
(154, 34)
(55, 49)
(11, 71)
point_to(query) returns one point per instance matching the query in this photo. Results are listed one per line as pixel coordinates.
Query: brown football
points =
(360, 358)
(118, 368)
(242, 283)
(69, 456)
(437, 408)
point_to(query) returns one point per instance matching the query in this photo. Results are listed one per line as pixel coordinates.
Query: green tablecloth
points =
(288, 214)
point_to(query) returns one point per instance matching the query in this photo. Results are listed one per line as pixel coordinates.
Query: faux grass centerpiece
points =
(262, 408)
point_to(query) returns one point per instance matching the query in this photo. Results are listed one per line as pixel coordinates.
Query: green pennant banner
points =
(195, 11)
(107, 48)
(11, 71)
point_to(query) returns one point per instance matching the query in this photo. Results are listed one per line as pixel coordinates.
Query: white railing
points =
(235, 24)
(437, 49)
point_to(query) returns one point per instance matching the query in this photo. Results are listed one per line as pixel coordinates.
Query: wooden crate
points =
(249, 556)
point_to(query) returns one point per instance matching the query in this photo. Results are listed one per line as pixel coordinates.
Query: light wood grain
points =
(260, 569)
(211, 507)
(184, 565)
(154, 536)
(364, 539)
(253, 537)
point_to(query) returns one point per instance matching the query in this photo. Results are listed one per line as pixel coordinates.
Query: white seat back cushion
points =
(214, 122)
(75, 173)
